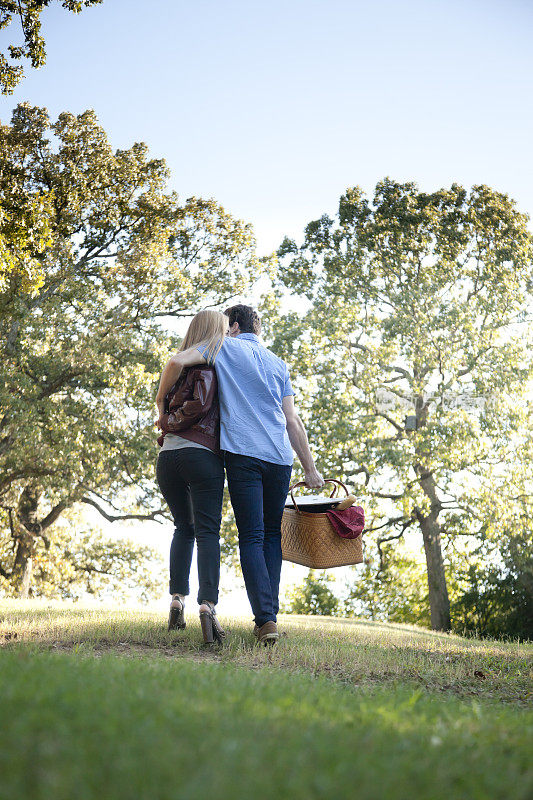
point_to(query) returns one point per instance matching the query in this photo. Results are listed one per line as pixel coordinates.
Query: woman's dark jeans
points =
(192, 482)
(258, 491)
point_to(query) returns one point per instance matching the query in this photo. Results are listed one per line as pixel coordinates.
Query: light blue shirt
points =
(252, 383)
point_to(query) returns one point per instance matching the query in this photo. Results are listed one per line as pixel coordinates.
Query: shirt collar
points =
(253, 336)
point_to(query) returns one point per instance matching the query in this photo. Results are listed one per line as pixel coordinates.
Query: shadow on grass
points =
(380, 626)
(402, 628)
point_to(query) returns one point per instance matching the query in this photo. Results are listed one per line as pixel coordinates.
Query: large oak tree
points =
(415, 305)
(82, 347)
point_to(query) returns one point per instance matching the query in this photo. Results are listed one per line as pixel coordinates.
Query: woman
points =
(190, 474)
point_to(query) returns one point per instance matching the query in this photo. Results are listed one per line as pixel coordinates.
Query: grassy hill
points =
(106, 703)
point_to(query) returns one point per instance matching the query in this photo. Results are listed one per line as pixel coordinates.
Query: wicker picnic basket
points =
(308, 537)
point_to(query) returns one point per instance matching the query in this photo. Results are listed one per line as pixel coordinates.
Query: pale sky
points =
(275, 108)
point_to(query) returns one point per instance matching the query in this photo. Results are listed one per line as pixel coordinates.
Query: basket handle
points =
(326, 480)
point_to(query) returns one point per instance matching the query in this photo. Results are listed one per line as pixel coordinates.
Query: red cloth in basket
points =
(349, 523)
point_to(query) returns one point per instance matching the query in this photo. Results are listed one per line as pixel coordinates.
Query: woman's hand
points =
(160, 412)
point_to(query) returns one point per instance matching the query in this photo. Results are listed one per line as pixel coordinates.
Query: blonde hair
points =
(207, 328)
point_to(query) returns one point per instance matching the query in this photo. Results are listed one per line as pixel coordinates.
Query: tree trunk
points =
(28, 528)
(23, 566)
(439, 602)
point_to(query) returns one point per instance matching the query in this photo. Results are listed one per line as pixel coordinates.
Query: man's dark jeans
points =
(192, 482)
(258, 491)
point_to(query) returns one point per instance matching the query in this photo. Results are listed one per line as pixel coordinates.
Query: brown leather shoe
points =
(267, 633)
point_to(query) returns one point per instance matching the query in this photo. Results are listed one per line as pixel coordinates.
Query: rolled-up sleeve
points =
(287, 389)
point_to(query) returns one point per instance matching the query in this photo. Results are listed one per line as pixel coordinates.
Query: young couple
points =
(226, 401)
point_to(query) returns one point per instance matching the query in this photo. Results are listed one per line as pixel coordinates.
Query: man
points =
(258, 426)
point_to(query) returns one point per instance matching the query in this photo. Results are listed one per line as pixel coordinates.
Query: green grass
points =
(107, 704)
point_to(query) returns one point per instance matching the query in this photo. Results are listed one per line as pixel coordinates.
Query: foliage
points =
(410, 304)
(499, 597)
(394, 592)
(82, 351)
(78, 562)
(24, 231)
(29, 13)
(313, 597)
(229, 536)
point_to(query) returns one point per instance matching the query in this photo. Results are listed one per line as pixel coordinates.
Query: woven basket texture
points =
(309, 539)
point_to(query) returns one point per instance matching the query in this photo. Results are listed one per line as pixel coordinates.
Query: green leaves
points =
(313, 597)
(28, 14)
(82, 344)
(79, 561)
(418, 306)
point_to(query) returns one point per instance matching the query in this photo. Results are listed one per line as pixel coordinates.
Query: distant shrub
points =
(496, 605)
(313, 597)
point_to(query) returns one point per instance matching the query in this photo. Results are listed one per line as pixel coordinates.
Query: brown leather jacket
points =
(191, 408)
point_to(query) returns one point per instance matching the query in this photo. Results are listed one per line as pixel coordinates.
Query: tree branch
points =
(390, 521)
(183, 312)
(366, 471)
(111, 518)
(4, 573)
(387, 367)
(388, 496)
(51, 517)
(399, 428)
(24, 473)
(381, 541)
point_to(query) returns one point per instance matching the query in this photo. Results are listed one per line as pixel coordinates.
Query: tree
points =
(413, 303)
(24, 230)
(498, 598)
(395, 591)
(82, 352)
(29, 14)
(313, 597)
(76, 561)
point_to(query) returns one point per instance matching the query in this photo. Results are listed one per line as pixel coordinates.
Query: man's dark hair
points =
(248, 319)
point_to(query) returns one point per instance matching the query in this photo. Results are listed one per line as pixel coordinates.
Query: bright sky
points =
(275, 108)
